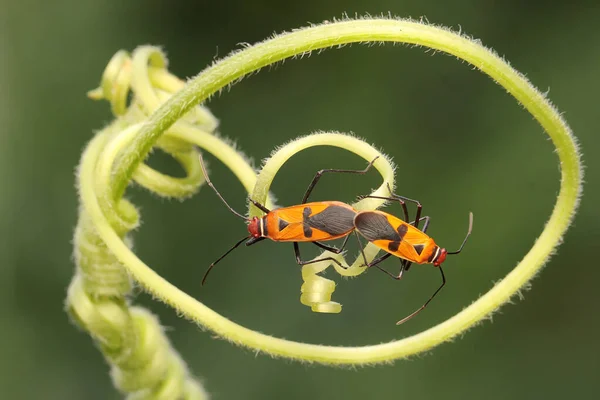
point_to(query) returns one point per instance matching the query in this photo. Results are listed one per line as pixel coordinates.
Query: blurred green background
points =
(460, 142)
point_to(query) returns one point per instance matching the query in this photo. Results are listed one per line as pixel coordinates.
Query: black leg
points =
(403, 320)
(405, 265)
(418, 203)
(398, 197)
(401, 200)
(418, 216)
(402, 203)
(360, 247)
(300, 262)
(403, 268)
(425, 226)
(343, 171)
(376, 261)
(331, 248)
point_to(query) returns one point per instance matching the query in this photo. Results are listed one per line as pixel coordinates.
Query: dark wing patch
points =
(305, 226)
(402, 229)
(419, 248)
(374, 226)
(334, 220)
(393, 246)
(282, 224)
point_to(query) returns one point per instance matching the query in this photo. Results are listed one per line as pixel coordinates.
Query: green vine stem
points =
(299, 42)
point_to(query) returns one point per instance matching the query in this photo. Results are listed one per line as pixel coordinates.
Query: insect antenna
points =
(222, 257)
(403, 320)
(466, 237)
(209, 183)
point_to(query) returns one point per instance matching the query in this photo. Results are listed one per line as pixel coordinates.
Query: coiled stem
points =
(117, 173)
(143, 363)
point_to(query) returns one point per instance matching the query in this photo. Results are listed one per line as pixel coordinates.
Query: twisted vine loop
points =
(143, 363)
(106, 171)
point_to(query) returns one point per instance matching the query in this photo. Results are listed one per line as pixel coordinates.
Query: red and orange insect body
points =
(309, 222)
(399, 238)
(404, 240)
(313, 222)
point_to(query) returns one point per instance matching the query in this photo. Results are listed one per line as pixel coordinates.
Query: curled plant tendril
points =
(317, 290)
(143, 363)
(107, 170)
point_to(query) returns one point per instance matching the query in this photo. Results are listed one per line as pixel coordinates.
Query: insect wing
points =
(314, 221)
(391, 234)
(377, 226)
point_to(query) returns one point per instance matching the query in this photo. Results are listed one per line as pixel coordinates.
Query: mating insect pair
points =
(321, 221)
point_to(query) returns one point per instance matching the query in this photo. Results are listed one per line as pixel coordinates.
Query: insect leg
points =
(405, 265)
(396, 277)
(403, 320)
(376, 261)
(300, 262)
(343, 171)
(401, 201)
(418, 203)
(425, 226)
(331, 248)
(360, 246)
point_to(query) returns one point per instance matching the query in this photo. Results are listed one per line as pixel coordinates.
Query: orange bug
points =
(403, 240)
(307, 222)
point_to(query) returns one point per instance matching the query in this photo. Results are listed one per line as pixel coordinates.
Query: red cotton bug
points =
(403, 240)
(307, 222)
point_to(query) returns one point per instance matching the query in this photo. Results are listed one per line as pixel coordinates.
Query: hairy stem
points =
(228, 70)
